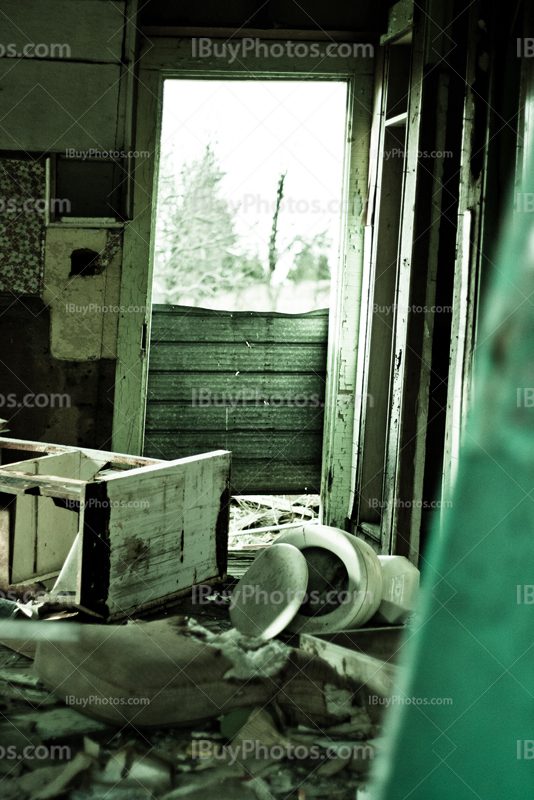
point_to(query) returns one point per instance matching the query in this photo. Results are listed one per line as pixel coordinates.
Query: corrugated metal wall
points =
(249, 382)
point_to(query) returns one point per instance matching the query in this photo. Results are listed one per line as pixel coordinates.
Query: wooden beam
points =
(338, 450)
(466, 268)
(402, 298)
(156, 31)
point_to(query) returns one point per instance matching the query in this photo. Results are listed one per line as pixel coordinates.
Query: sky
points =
(259, 129)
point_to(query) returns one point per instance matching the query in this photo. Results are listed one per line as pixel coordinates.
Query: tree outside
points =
(200, 260)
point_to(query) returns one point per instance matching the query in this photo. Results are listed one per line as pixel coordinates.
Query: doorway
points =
(162, 58)
(246, 239)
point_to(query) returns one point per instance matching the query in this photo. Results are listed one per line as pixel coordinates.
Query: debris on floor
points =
(267, 750)
(257, 519)
(227, 716)
(183, 704)
(175, 671)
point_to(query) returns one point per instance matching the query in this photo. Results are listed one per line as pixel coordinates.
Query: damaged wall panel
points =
(83, 307)
(44, 108)
(233, 380)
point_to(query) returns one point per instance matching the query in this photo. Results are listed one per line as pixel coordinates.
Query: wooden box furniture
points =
(130, 533)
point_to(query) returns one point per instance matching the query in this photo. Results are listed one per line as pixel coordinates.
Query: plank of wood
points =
(400, 340)
(384, 643)
(397, 122)
(47, 485)
(338, 451)
(58, 464)
(379, 677)
(262, 418)
(377, 359)
(166, 53)
(126, 107)
(165, 529)
(47, 448)
(185, 324)
(260, 33)
(238, 356)
(36, 447)
(129, 403)
(271, 445)
(179, 386)
(368, 278)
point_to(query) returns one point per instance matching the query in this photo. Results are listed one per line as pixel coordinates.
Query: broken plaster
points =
(251, 657)
(84, 310)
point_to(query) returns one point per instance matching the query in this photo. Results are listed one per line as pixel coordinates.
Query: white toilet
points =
(339, 588)
(399, 591)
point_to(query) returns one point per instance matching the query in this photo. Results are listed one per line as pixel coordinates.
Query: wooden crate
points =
(138, 532)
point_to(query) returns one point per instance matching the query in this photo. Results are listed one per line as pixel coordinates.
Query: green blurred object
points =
(232, 723)
(473, 647)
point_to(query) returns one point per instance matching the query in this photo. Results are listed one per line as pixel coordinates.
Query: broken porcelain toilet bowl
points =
(265, 601)
(344, 575)
(328, 579)
(399, 592)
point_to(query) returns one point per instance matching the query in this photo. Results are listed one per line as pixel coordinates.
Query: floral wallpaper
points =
(22, 225)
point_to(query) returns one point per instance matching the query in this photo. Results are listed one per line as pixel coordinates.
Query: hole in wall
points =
(83, 262)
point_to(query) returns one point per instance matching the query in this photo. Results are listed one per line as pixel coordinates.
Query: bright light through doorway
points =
(225, 146)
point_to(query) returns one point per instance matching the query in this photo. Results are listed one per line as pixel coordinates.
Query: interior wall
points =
(59, 329)
(83, 99)
(79, 94)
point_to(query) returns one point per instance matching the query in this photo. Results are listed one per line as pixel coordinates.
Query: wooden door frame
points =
(384, 213)
(170, 57)
(400, 465)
